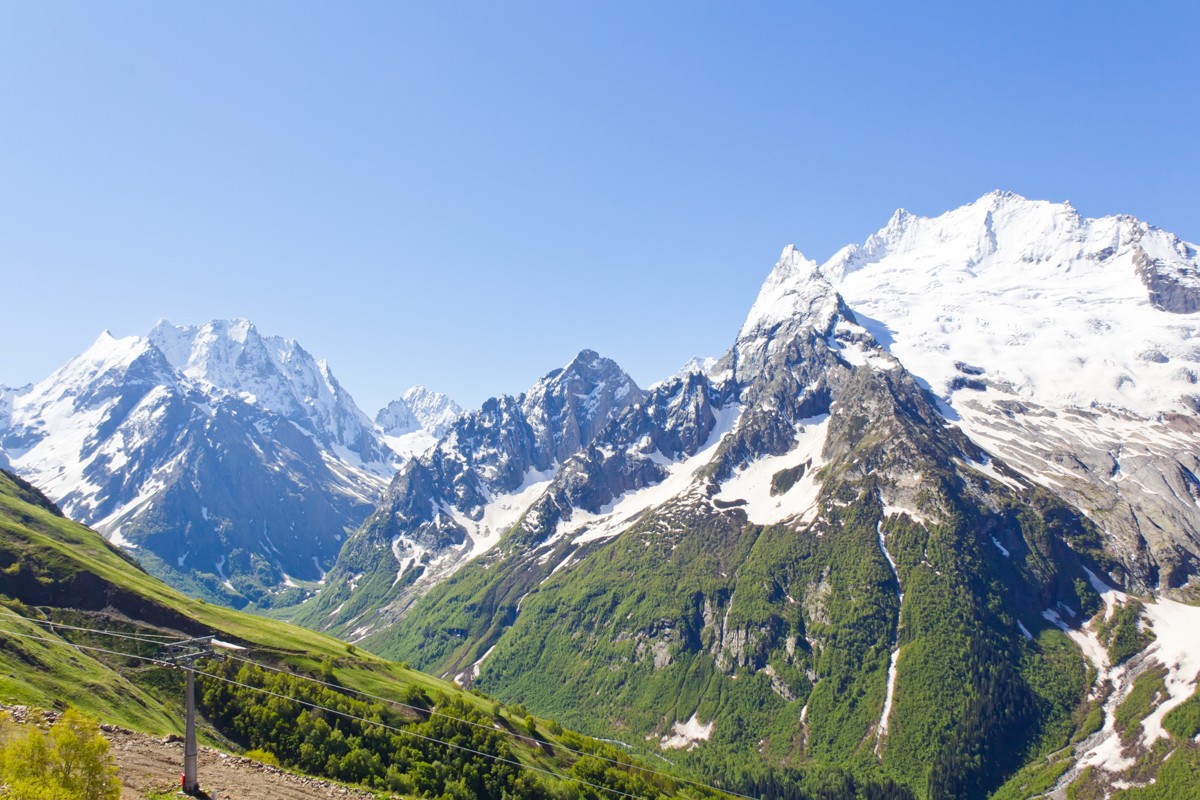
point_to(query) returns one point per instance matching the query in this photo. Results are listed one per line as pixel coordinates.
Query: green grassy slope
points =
(73, 574)
(781, 636)
(54, 570)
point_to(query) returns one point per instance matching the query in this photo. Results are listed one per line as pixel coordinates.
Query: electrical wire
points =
(337, 712)
(419, 709)
(528, 739)
(66, 643)
(89, 630)
(403, 731)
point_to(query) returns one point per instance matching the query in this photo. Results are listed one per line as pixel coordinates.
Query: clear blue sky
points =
(465, 194)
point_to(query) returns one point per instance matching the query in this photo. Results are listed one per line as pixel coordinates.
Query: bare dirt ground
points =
(146, 764)
(149, 765)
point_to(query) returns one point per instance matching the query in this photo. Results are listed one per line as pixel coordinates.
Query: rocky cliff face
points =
(456, 501)
(1166, 265)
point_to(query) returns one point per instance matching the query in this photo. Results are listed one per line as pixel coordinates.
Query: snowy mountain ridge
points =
(273, 373)
(216, 451)
(1060, 309)
(956, 436)
(413, 424)
(433, 411)
(1067, 346)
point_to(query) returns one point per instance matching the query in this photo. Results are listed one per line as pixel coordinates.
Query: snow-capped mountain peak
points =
(433, 411)
(969, 235)
(795, 290)
(413, 423)
(397, 419)
(1074, 311)
(273, 372)
(206, 446)
(87, 380)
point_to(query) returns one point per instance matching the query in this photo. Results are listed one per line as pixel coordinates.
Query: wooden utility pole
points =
(184, 655)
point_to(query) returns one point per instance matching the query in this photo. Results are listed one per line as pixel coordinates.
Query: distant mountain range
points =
(233, 464)
(934, 515)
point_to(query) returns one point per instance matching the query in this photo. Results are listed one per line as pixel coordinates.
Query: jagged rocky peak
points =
(495, 449)
(795, 327)
(567, 407)
(397, 419)
(269, 371)
(795, 291)
(457, 500)
(434, 411)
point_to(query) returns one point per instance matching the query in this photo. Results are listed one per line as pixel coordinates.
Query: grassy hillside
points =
(61, 582)
(905, 646)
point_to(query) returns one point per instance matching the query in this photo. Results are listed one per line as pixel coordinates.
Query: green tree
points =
(71, 763)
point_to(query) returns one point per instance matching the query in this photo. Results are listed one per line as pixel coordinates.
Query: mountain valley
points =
(930, 525)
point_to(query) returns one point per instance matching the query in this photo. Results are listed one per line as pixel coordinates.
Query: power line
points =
(528, 739)
(66, 643)
(419, 709)
(89, 630)
(347, 715)
(344, 714)
(403, 731)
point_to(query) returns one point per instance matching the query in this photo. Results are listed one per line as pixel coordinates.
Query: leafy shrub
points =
(69, 763)
(1183, 722)
(1122, 634)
